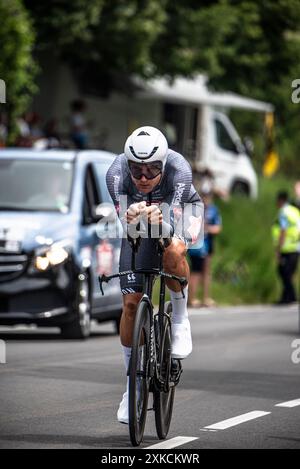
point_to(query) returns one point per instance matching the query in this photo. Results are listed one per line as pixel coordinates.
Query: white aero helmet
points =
(146, 145)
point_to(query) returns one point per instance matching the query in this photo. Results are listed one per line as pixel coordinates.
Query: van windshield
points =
(42, 185)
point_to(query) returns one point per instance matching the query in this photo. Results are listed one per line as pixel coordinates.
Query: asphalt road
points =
(61, 394)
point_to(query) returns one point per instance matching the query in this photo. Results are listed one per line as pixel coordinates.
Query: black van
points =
(51, 246)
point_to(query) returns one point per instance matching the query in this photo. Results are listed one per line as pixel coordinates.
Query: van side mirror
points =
(105, 210)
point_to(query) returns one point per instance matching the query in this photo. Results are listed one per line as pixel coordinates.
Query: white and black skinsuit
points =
(175, 194)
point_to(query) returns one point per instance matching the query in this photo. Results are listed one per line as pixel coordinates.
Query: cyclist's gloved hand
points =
(153, 214)
(134, 211)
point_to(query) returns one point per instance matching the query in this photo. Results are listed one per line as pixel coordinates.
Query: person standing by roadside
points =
(78, 131)
(286, 238)
(201, 255)
(3, 129)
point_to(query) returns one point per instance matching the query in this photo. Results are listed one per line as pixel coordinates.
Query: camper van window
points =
(223, 138)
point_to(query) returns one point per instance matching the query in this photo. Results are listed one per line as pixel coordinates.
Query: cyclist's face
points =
(145, 176)
(145, 185)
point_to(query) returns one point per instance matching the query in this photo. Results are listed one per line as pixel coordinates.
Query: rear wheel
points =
(139, 374)
(164, 399)
(80, 327)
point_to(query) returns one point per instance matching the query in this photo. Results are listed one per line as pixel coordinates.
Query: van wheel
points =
(240, 188)
(80, 327)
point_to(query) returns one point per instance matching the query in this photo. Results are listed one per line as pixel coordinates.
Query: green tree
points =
(249, 46)
(104, 41)
(17, 67)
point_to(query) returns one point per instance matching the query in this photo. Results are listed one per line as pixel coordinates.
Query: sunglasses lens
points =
(150, 170)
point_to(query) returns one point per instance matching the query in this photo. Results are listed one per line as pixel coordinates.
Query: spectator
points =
(24, 138)
(52, 134)
(34, 120)
(205, 178)
(285, 233)
(78, 124)
(3, 129)
(201, 256)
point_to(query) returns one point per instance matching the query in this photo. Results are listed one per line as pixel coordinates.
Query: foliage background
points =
(17, 66)
(243, 267)
(250, 47)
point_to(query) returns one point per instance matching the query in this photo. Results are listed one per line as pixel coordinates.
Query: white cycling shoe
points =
(123, 412)
(181, 340)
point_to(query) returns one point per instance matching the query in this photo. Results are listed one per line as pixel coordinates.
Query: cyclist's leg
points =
(130, 303)
(175, 263)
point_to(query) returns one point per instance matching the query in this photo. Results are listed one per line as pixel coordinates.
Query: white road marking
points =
(237, 420)
(293, 403)
(173, 442)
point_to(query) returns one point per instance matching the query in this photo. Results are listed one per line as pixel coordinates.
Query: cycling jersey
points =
(175, 194)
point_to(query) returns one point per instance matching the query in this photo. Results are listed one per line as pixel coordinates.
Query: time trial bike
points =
(151, 367)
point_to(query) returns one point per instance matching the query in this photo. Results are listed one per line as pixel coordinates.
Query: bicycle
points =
(151, 367)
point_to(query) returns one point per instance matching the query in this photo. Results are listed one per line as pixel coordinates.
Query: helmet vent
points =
(153, 151)
(143, 157)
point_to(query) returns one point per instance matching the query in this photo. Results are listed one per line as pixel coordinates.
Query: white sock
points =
(126, 355)
(179, 306)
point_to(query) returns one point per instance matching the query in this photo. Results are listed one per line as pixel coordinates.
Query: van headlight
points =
(54, 255)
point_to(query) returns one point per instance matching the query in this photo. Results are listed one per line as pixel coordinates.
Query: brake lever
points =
(102, 279)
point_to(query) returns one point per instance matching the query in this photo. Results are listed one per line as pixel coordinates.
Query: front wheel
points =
(139, 379)
(164, 399)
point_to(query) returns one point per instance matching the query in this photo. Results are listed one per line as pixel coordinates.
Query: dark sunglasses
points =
(149, 170)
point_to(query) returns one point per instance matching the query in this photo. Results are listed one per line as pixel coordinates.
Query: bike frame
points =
(149, 276)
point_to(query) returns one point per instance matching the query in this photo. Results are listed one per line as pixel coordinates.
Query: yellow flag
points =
(271, 164)
(269, 121)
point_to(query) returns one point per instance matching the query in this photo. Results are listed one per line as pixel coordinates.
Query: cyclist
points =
(155, 183)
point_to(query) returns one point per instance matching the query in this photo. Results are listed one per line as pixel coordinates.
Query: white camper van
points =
(221, 150)
(193, 116)
(204, 133)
